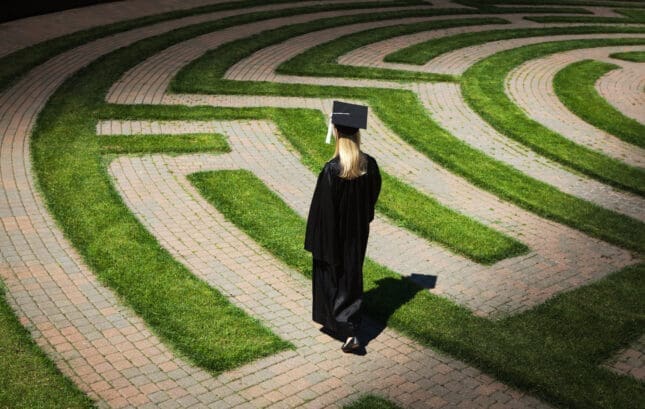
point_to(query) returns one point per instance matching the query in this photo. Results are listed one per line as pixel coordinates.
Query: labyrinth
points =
(158, 159)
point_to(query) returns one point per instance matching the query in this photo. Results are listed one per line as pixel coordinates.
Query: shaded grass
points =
(574, 86)
(28, 378)
(321, 60)
(183, 143)
(559, 3)
(421, 53)
(371, 402)
(552, 350)
(15, 65)
(483, 88)
(634, 56)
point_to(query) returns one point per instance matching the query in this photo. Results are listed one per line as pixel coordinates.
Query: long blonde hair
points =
(353, 162)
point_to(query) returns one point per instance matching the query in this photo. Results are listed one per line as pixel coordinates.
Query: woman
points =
(338, 227)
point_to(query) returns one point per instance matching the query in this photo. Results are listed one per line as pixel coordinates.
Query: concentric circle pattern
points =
(97, 332)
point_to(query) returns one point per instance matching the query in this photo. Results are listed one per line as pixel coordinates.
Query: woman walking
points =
(341, 210)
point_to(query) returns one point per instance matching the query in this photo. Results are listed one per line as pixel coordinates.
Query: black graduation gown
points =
(336, 235)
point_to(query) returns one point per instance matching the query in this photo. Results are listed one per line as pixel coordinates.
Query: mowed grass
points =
(321, 60)
(552, 350)
(402, 111)
(574, 86)
(371, 402)
(195, 320)
(633, 56)
(183, 143)
(28, 378)
(482, 87)
(421, 53)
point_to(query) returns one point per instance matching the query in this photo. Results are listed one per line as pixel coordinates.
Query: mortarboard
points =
(349, 115)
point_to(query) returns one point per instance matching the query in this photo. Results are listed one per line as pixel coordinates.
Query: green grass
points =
(184, 143)
(402, 111)
(15, 65)
(483, 88)
(634, 56)
(28, 379)
(574, 86)
(552, 350)
(194, 319)
(321, 60)
(557, 3)
(371, 402)
(576, 19)
(421, 53)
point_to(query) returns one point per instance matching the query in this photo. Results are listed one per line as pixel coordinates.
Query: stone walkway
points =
(111, 355)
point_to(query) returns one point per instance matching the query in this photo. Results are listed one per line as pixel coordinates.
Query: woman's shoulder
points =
(370, 160)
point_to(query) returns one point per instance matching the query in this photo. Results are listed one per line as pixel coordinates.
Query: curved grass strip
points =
(371, 402)
(565, 2)
(552, 350)
(574, 86)
(321, 60)
(28, 378)
(15, 65)
(184, 143)
(633, 56)
(421, 53)
(491, 8)
(184, 311)
(575, 19)
(483, 88)
(403, 112)
(214, 63)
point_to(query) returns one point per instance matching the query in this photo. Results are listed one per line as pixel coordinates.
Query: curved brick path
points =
(624, 88)
(530, 86)
(110, 354)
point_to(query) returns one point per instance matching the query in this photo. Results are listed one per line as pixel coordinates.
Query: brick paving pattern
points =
(623, 88)
(108, 351)
(629, 361)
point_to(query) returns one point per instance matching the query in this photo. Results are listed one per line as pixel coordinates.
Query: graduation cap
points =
(347, 115)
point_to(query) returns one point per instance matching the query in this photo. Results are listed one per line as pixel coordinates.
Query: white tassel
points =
(329, 131)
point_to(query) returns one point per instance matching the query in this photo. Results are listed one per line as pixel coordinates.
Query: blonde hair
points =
(353, 162)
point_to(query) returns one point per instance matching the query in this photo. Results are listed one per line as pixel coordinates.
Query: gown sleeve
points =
(321, 236)
(375, 188)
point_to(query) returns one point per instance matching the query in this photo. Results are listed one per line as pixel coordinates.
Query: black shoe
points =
(351, 345)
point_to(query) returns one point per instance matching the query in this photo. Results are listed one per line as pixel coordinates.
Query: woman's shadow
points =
(381, 302)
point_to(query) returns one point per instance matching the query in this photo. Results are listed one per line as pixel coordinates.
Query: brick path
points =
(530, 86)
(629, 361)
(106, 350)
(623, 88)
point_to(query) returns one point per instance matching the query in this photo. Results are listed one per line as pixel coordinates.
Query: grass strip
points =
(15, 65)
(560, 3)
(491, 8)
(28, 378)
(574, 86)
(634, 56)
(552, 350)
(482, 87)
(402, 111)
(421, 53)
(576, 19)
(321, 60)
(371, 402)
(185, 312)
(149, 143)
